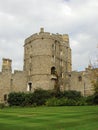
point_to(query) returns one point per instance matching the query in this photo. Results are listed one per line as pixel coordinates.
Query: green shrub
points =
(40, 96)
(2, 105)
(81, 102)
(70, 102)
(60, 102)
(72, 94)
(57, 94)
(16, 99)
(52, 102)
(96, 99)
(90, 100)
(28, 99)
(50, 98)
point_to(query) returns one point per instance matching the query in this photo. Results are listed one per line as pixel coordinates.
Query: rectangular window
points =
(61, 63)
(62, 75)
(29, 87)
(5, 97)
(53, 58)
(80, 78)
(53, 46)
(61, 53)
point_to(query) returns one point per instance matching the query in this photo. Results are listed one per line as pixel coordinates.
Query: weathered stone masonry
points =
(47, 65)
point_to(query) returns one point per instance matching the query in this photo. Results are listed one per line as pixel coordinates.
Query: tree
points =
(95, 83)
(94, 67)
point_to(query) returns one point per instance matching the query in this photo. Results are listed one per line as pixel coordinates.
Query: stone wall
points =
(47, 65)
(81, 81)
(5, 86)
(11, 83)
(19, 82)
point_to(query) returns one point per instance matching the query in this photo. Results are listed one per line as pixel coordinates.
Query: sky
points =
(21, 18)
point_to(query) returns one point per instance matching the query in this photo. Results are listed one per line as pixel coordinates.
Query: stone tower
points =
(46, 59)
(6, 65)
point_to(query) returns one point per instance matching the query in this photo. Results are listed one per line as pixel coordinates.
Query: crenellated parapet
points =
(63, 39)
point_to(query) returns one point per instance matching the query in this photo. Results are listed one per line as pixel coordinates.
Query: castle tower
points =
(46, 59)
(68, 53)
(6, 65)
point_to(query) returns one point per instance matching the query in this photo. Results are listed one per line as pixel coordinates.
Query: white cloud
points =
(19, 19)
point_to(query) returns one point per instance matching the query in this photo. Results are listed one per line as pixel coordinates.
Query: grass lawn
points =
(50, 118)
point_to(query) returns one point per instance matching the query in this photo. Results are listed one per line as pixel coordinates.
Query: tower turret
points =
(6, 65)
(41, 30)
(65, 38)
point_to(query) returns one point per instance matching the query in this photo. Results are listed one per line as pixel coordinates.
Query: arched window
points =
(53, 70)
(80, 78)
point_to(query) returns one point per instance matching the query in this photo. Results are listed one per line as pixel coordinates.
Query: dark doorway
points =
(5, 97)
(29, 86)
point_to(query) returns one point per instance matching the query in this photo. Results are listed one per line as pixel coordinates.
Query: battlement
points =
(41, 30)
(47, 35)
(18, 72)
(65, 38)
